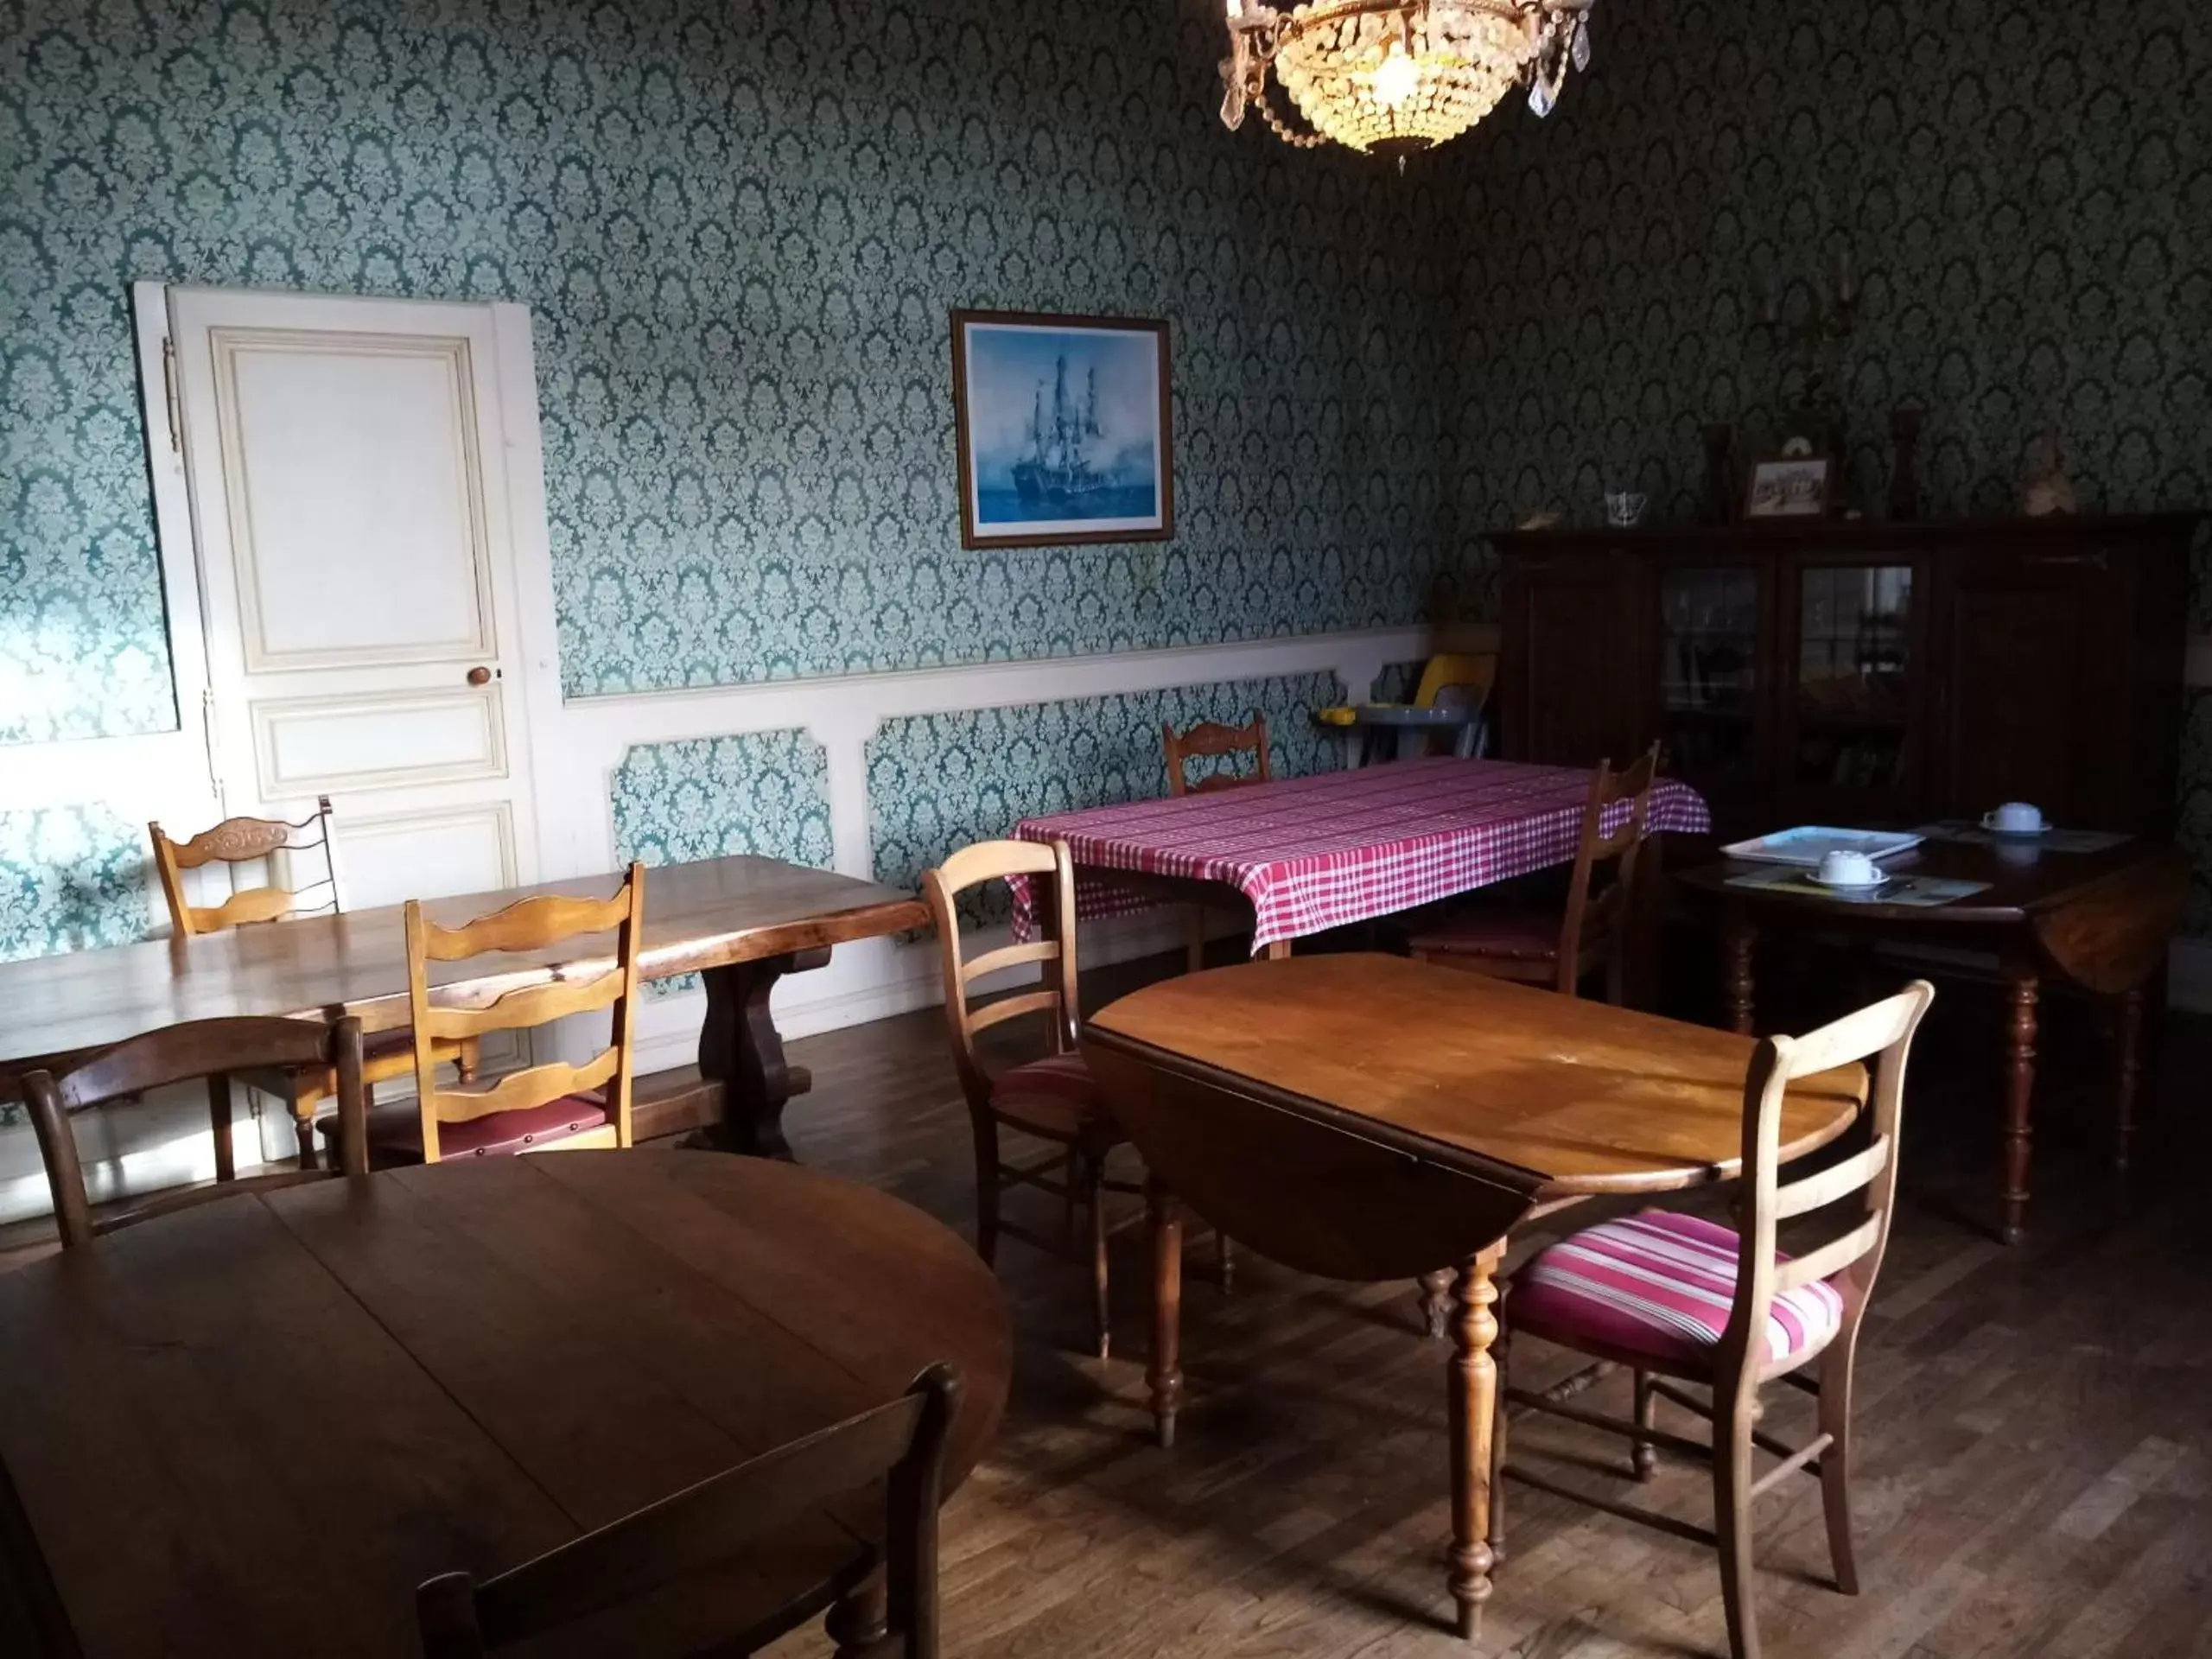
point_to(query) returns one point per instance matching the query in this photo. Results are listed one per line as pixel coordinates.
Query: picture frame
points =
(1064, 429)
(1790, 486)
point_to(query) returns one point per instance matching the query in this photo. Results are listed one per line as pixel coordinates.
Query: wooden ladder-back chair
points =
(1671, 1296)
(1561, 948)
(208, 1049)
(386, 1055)
(1211, 741)
(897, 1451)
(1052, 1098)
(552, 1106)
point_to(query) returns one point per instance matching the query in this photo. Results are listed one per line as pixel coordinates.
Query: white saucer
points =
(1819, 881)
(2016, 834)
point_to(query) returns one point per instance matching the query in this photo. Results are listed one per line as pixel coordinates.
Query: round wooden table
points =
(255, 1426)
(1366, 1117)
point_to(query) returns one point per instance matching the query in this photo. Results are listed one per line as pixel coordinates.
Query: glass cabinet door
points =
(1853, 697)
(1708, 673)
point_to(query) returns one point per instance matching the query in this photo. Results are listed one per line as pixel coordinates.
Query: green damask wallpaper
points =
(739, 229)
(2025, 191)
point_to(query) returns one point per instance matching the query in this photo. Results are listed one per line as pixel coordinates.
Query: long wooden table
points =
(254, 1427)
(2101, 921)
(1366, 1117)
(741, 922)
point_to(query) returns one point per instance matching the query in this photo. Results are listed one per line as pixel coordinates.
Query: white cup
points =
(2015, 818)
(1845, 868)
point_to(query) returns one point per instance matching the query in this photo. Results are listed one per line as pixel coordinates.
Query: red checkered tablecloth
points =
(1339, 847)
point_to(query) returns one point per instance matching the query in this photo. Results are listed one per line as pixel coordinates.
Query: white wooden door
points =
(352, 524)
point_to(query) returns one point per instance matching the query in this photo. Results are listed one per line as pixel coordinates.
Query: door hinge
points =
(170, 395)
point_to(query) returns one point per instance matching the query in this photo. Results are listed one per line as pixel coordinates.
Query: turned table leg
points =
(1164, 1372)
(1474, 1406)
(2128, 1073)
(1736, 987)
(861, 1619)
(740, 1049)
(2020, 990)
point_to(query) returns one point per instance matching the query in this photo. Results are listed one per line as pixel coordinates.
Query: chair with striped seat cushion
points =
(1656, 1288)
(1673, 1296)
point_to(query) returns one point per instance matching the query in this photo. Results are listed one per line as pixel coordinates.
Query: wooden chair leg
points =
(1070, 1172)
(304, 1099)
(1094, 1184)
(1194, 938)
(986, 1189)
(1732, 1473)
(218, 1120)
(1645, 1455)
(1835, 1464)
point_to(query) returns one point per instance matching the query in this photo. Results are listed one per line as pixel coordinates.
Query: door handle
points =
(480, 675)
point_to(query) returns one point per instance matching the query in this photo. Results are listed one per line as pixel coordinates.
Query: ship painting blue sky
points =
(1064, 433)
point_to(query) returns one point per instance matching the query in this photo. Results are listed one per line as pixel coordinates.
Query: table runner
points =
(1339, 847)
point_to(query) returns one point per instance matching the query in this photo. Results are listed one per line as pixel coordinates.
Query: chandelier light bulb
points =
(1396, 79)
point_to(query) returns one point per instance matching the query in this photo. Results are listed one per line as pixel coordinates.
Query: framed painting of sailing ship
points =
(1064, 429)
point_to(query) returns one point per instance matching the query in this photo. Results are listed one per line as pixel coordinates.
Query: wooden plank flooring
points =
(2034, 1446)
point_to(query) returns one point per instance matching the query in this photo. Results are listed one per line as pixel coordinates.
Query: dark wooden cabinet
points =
(1861, 672)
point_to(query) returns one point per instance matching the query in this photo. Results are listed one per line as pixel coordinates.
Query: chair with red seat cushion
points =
(555, 1106)
(1052, 1098)
(1561, 948)
(1673, 1296)
(272, 847)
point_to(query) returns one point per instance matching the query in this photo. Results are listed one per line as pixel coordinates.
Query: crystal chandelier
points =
(1390, 77)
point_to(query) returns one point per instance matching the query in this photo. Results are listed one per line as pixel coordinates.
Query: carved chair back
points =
(529, 924)
(1211, 740)
(273, 843)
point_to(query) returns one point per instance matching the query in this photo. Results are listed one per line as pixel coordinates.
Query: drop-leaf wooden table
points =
(1366, 1117)
(2101, 921)
(253, 1427)
(741, 922)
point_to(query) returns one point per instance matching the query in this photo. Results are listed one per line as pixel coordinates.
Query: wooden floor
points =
(2035, 1449)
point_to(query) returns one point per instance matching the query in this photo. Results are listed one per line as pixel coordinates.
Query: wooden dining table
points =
(2099, 921)
(1306, 855)
(741, 923)
(254, 1427)
(1366, 1117)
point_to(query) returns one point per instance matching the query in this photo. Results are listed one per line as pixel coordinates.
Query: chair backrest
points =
(205, 1048)
(1594, 928)
(535, 924)
(1468, 675)
(1210, 740)
(711, 1524)
(1881, 1034)
(250, 841)
(1052, 872)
